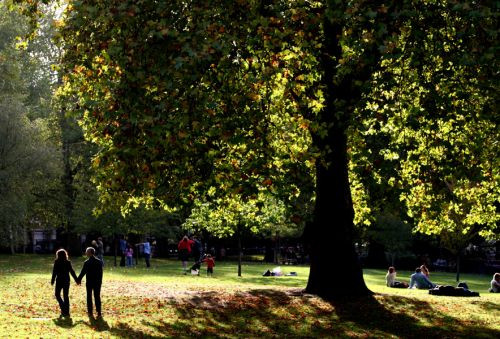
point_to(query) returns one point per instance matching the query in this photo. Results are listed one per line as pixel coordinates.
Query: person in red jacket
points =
(210, 264)
(184, 248)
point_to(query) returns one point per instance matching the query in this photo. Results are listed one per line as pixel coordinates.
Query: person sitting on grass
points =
(210, 264)
(60, 275)
(495, 283)
(390, 279)
(420, 281)
(425, 270)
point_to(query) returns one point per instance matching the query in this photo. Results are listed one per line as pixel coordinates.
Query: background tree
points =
(28, 164)
(393, 233)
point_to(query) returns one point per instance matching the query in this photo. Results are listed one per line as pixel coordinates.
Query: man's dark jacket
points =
(92, 267)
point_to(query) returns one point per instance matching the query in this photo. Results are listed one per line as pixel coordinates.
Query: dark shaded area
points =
(98, 324)
(64, 322)
(253, 314)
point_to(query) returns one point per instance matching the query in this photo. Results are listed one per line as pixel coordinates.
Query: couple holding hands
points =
(92, 267)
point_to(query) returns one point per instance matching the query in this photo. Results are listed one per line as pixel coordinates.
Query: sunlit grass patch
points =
(162, 302)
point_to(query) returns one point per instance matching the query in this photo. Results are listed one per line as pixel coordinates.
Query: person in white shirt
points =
(495, 283)
(390, 279)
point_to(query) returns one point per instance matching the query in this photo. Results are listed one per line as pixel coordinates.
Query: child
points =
(129, 254)
(210, 264)
(60, 275)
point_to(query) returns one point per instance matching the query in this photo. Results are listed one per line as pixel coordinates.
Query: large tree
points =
(234, 97)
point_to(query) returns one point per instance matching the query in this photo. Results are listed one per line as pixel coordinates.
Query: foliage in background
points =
(29, 163)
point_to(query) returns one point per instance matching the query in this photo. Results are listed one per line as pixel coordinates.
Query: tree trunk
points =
(239, 254)
(68, 174)
(276, 248)
(25, 238)
(116, 246)
(458, 267)
(335, 269)
(11, 240)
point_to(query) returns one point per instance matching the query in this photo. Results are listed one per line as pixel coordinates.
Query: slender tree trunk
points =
(116, 246)
(25, 238)
(11, 240)
(335, 269)
(276, 248)
(458, 267)
(68, 175)
(239, 254)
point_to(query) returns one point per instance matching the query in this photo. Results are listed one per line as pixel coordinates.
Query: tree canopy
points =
(228, 106)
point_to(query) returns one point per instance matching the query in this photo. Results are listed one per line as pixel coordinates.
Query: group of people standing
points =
(127, 252)
(193, 248)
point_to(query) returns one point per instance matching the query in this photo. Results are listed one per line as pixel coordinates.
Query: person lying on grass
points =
(495, 283)
(420, 281)
(390, 279)
(60, 275)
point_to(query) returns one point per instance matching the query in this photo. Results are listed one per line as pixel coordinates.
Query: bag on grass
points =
(451, 291)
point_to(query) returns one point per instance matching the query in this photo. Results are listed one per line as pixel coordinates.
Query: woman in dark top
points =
(60, 275)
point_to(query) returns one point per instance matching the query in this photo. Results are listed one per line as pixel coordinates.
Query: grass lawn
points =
(162, 302)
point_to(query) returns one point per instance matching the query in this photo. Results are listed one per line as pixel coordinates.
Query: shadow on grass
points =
(489, 306)
(98, 324)
(64, 322)
(272, 313)
(405, 317)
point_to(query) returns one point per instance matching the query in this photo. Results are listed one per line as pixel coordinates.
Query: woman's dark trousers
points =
(64, 301)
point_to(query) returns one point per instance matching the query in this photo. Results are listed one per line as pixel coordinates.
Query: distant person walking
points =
(184, 247)
(147, 251)
(197, 249)
(92, 268)
(60, 275)
(100, 250)
(123, 249)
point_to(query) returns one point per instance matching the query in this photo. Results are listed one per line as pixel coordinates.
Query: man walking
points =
(92, 267)
(100, 250)
(147, 251)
